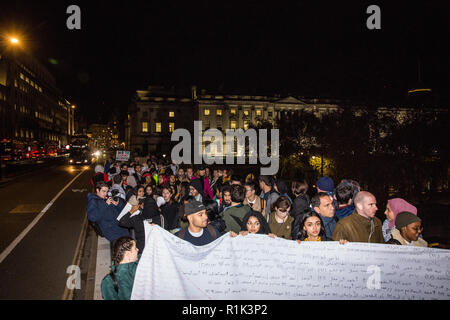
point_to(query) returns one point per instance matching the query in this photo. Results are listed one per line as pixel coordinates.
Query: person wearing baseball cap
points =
(408, 227)
(198, 232)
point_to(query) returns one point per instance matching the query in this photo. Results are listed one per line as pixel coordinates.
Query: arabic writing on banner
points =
(259, 267)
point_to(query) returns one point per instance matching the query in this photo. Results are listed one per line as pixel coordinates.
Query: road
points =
(35, 254)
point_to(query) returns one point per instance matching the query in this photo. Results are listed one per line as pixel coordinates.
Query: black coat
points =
(300, 207)
(137, 222)
(170, 214)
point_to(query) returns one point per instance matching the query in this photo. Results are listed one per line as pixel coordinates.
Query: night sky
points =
(307, 48)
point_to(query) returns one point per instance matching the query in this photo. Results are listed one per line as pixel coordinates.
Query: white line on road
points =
(16, 241)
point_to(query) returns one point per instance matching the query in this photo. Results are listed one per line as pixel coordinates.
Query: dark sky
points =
(309, 48)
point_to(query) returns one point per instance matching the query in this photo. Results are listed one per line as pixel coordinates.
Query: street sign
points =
(122, 155)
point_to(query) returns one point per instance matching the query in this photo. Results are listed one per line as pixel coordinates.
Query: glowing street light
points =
(14, 40)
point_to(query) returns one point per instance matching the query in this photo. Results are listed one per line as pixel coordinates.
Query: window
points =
(233, 111)
(206, 112)
(246, 125)
(233, 124)
(158, 127)
(145, 114)
(144, 126)
(246, 113)
(269, 114)
(219, 112)
(171, 114)
(171, 126)
(258, 113)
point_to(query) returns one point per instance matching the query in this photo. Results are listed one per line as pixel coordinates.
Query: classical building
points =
(153, 116)
(157, 112)
(32, 108)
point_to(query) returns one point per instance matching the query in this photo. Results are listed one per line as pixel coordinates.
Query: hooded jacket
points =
(196, 183)
(356, 228)
(105, 216)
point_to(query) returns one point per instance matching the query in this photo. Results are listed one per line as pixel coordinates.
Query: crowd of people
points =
(200, 204)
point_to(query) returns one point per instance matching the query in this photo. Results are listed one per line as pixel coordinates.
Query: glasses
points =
(418, 229)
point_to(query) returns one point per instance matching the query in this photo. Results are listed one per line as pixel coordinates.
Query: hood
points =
(197, 185)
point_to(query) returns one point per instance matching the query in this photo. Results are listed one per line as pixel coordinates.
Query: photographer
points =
(103, 210)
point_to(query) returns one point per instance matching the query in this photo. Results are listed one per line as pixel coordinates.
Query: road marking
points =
(68, 293)
(27, 208)
(16, 241)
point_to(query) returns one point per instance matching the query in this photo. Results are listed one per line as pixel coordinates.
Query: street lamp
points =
(14, 40)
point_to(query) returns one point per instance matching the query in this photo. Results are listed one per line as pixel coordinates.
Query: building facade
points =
(32, 108)
(157, 112)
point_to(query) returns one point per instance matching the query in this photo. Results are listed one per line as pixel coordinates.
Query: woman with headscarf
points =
(393, 208)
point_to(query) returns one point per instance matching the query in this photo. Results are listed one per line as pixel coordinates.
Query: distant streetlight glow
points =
(14, 40)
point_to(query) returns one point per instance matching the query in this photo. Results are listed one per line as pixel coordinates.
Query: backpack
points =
(211, 230)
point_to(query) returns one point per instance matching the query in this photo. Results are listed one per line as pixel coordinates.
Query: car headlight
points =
(70, 160)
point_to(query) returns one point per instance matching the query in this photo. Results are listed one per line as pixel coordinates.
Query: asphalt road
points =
(36, 267)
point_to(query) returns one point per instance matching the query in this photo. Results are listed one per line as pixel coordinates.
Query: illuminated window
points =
(144, 126)
(31, 135)
(171, 114)
(233, 124)
(258, 113)
(22, 76)
(219, 112)
(171, 126)
(158, 127)
(245, 112)
(128, 116)
(245, 125)
(206, 112)
(233, 111)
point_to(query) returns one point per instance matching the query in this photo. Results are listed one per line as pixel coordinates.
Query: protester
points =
(103, 210)
(312, 229)
(254, 222)
(196, 190)
(99, 175)
(212, 211)
(408, 227)
(322, 204)
(280, 222)
(254, 201)
(224, 198)
(198, 232)
(118, 284)
(234, 215)
(149, 191)
(344, 197)
(325, 184)
(361, 225)
(281, 187)
(204, 182)
(393, 207)
(268, 193)
(169, 210)
(300, 205)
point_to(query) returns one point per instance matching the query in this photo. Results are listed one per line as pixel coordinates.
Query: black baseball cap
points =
(193, 207)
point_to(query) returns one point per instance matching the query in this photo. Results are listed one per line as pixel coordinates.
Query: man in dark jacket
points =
(104, 211)
(344, 197)
(361, 225)
(234, 216)
(198, 232)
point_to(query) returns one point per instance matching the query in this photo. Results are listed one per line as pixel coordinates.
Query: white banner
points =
(122, 155)
(256, 267)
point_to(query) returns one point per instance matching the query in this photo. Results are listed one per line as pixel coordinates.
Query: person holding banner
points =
(198, 232)
(254, 222)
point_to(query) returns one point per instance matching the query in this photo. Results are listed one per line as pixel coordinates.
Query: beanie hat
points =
(193, 207)
(404, 218)
(197, 185)
(325, 184)
(398, 205)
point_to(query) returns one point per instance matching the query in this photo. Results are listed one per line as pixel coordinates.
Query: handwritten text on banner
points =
(258, 267)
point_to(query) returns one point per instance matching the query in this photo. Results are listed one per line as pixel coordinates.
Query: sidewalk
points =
(102, 266)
